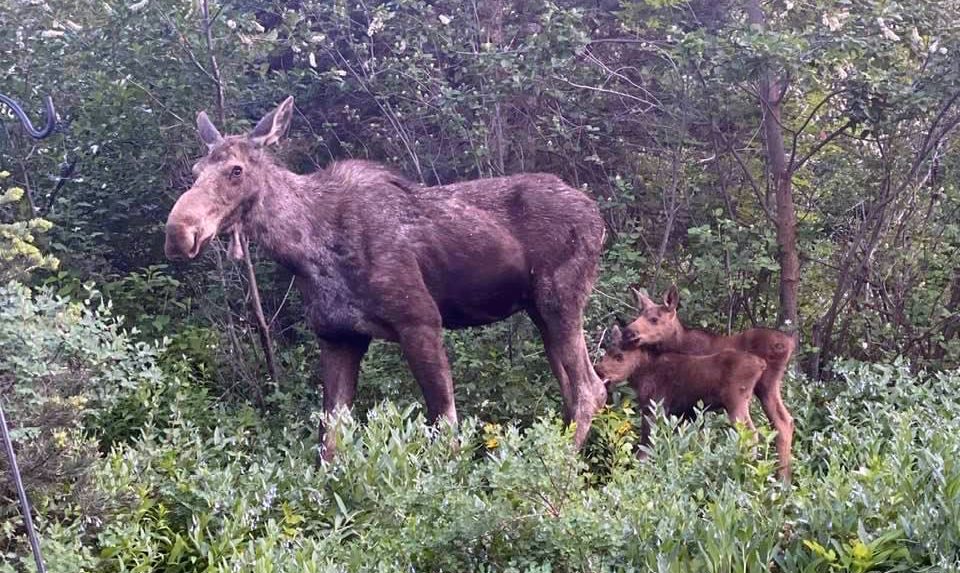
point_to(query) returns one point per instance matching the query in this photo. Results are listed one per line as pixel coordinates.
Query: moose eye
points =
(654, 320)
(236, 171)
(618, 357)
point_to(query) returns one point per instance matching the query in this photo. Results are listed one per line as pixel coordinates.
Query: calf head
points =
(228, 182)
(657, 322)
(618, 363)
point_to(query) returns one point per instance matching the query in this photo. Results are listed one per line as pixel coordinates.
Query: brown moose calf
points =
(658, 327)
(722, 381)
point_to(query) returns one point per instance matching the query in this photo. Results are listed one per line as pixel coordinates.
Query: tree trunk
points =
(771, 92)
(789, 259)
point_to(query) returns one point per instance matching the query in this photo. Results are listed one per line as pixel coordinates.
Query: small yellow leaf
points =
(860, 551)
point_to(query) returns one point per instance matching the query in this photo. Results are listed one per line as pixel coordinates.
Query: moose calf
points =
(659, 328)
(722, 381)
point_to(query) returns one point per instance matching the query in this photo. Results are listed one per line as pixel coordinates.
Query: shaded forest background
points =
(703, 129)
(787, 163)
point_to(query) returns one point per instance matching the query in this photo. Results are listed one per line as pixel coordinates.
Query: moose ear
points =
(274, 124)
(672, 297)
(616, 337)
(642, 299)
(208, 132)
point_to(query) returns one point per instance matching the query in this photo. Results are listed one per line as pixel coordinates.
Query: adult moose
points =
(376, 256)
(659, 326)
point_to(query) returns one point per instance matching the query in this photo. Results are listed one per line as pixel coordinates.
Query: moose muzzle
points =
(182, 242)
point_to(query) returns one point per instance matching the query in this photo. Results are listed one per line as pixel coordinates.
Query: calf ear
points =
(642, 299)
(271, 128)
(672, 297)
(616, 337)
(208, 133)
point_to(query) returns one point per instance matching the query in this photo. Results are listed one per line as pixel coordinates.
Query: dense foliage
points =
(203, 486)
(157, 442)
(652, 106)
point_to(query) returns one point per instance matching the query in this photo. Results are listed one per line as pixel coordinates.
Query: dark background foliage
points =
(694, 124)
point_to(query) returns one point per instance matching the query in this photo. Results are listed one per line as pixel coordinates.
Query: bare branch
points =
(816, 148)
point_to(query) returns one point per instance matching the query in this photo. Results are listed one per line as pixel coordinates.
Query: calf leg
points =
(644, 442)
(339, 370)
(782, 422)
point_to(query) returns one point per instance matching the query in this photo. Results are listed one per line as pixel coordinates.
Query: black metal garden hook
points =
(51, 122)
(51, 116)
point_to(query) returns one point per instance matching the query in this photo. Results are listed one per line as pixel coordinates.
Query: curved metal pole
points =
(4, 429)
(22, 493)
(25, 121)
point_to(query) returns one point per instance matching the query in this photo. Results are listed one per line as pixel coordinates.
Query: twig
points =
(263, 330)
(283, 301)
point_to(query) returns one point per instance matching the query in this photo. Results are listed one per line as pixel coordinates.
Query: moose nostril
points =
(181, 242)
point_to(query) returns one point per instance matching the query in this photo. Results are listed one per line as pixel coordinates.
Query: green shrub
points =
(71, 382)
(165, 479)
(19, 253)
(876, 489)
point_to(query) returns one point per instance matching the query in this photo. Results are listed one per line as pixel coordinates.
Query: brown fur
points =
(658, 327)
(722, 381)
(376, 256)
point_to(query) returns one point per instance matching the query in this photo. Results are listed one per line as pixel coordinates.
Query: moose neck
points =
(690, 340)
(285, 220)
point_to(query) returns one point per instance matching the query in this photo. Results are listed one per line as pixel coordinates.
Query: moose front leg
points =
(408, 306)
(339, 370)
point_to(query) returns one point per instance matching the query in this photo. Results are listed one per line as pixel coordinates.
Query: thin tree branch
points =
(263, 330)
(816, 148)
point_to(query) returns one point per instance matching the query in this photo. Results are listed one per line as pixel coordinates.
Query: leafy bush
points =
(71, 380)
(19, 253)
(876, 488)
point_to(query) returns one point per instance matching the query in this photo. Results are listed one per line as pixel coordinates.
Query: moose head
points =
(655, 323)
(229, 180)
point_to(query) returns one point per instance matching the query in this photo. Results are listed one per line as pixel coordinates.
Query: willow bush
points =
(183, 482)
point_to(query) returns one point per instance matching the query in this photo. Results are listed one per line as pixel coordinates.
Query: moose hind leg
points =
(583, 392)
(422, 347)
(339, 370)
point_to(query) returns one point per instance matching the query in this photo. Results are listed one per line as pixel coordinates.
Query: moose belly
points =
(333, 312)
(477, 300)
(477, 288)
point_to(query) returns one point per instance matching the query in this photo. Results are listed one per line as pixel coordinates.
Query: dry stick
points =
(282, 301)
(231, 325)
(263, 330)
